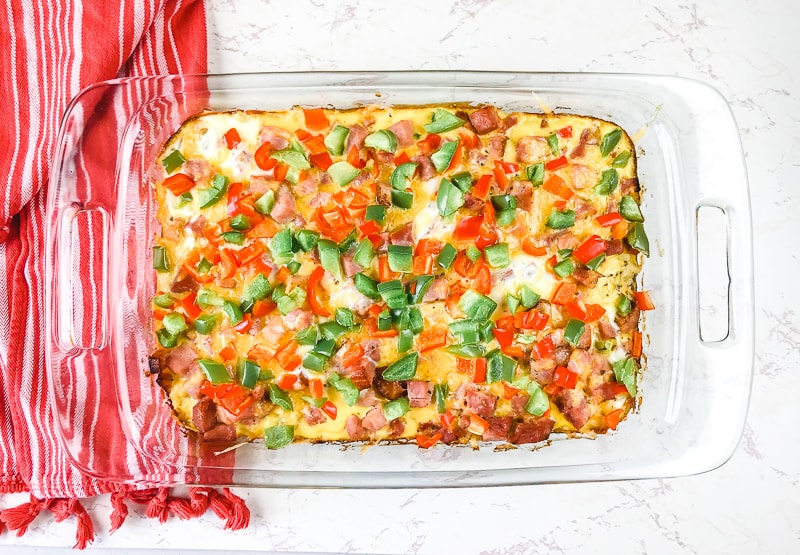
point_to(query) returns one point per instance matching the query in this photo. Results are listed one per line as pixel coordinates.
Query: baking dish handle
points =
(79, 278)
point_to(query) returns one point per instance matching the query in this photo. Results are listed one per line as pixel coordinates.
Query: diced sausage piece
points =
(562, 354)
(567, 241)
(477, 157)
(497, 146)
(426, 169)
(437, 290)
(362, 374)
(583, 176)
(355, 430)
(154, 365)
(403, 235)
(383, 194)
(628, 185)
(586, 277)
(614, 246)
(297, 319)
(518, 403)
(314, 416)
(580, 362)
(198, 169)
(285, 208)
(198, 225)
(306, 187)
(404, 131)
(355, 138)
(260, 184)
(374, 420)
(389, 389)
(629, 323)
(273, 330)
(463, 116)
(542, 370)
(484, 120)
(575, 407)
(396, 428)
(448, 435)
(498, 428)
(276, 137)
(419, 393)
(532, 149)
(372, 349)
(607, 331)
(222, 433)
(367, 398)
(523, 192)
(532, 431)
(349, 265)
(204, 415)
(584, 209)
(481, 403)
(473, 203)
(383, 157)
(508, 123)
(320, 199)
(183, 283)
(589, 136)
(180, 359)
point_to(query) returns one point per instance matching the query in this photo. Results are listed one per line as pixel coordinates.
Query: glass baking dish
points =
(113, 420)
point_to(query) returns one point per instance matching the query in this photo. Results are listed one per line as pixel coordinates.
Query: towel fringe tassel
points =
(159, 504)
(19, 518)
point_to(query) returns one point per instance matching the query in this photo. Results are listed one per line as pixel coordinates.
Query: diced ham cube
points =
(481, 403)
(523, 192)
(314, 416)
(285, 208)
(532, 149)
(484, 120)
(204, 415)
(437, 290)
(355, 430)
(575, 406)
(180, 359)
(404, 130)
(374, 420)
(532, 431)
(498, 428)
(419, 393)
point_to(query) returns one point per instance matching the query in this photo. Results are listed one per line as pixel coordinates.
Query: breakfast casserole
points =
(434, 274)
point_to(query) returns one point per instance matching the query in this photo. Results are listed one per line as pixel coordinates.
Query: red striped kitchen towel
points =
(49, 51)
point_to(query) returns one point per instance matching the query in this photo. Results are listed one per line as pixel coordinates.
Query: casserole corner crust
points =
(435, 274)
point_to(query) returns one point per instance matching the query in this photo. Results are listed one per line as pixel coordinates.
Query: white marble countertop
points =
(747, 49)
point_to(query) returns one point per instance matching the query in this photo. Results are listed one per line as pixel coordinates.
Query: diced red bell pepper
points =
(643, 300)
(322, 161)
(330, 409)
(565, 132)
(576, 311)
(556, 164)
(619, 230)
(500, 177)
(447, 418)
(636, 349)
(531, 320)
(612, 418)
(426, 441)
(555, 185)
(467, 229)
(531, 248)
(280, 172)
(262, 157)
(354, 158)
(504, 336)
(227, 353)
(401, 158)
(232, 138)
(234, 191)
(594, 312)
(565, 293)
(431, 339)
(607, 220)
(188, 304)
(287, 381)
(565, 377)
(179, 183)
(480, 370)
(589, 249)
(261, 308)
(316, 389)
(482, 187)
(315, 144)
(312, 293)
(316, 120)
(245, 325)
(429, 143)
(543, 348)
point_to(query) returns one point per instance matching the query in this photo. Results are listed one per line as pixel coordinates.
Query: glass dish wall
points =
(695, 392)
